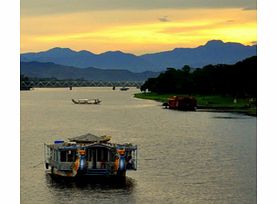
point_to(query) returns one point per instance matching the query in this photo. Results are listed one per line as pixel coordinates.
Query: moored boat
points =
(188, 103)
(86, 101)
(89, 155)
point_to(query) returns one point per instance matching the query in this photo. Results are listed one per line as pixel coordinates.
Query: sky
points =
(134, 26)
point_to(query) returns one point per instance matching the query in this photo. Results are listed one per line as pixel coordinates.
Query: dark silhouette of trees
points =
(238, 80)
(24, 83)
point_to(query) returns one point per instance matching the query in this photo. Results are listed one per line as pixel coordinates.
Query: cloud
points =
(136, 31)
(46, 7)
(164, 19)
(230, 21)
(250, 7)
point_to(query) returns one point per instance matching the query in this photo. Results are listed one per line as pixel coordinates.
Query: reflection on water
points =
(102, 183)
(90, 190)
(230, 117)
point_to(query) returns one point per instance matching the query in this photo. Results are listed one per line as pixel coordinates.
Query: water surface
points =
(184, 157)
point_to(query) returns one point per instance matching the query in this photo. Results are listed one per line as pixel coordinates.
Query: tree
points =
(236, 80)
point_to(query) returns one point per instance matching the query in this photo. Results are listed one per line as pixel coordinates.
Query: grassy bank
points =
(209, 103)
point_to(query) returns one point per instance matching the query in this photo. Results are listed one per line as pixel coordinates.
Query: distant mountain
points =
(49, 70)
(213, 52)
(84, 59)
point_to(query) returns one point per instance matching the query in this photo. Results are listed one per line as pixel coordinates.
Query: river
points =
(183, 157)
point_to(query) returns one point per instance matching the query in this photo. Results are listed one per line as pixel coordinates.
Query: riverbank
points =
(212, 103)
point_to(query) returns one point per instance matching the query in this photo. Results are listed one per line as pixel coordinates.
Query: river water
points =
(183, 157)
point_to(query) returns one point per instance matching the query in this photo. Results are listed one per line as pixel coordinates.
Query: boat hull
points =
(85, 176)
(89, 102)
(111, 180)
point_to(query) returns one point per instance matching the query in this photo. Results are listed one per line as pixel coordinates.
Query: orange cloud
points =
(137, 31)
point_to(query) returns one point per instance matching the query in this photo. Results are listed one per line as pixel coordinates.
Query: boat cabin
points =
(182, 103)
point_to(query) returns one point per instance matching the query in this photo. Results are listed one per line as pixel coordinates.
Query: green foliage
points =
(153, 96)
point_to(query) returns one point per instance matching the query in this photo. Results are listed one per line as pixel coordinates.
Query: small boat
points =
(124, 89)
(89, 155)
(86, 101)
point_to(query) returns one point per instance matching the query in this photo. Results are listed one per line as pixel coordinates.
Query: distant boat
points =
(89, 155)
(188, 103)
(124, 89)
(86, 101)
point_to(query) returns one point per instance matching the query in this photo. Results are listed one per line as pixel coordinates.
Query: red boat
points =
(182, 103)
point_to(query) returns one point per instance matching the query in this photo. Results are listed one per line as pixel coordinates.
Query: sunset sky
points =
(134, 26)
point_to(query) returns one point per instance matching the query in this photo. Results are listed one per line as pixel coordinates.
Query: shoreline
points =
(240, 111)
(211, 104)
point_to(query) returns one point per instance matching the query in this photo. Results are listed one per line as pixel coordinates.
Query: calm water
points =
(184, 157)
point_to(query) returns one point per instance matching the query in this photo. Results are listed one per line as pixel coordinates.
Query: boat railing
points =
(47, 153)
(67, 166)
(64, 166)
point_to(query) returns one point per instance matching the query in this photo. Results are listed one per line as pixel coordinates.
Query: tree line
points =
(238, 80)
(24, 82)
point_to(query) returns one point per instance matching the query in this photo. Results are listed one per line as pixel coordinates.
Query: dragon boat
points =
(89, 155)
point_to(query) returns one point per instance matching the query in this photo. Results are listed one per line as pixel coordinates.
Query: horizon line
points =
(57, 47)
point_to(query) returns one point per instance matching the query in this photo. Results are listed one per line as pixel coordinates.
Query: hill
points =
(49, 70)
(213, 52)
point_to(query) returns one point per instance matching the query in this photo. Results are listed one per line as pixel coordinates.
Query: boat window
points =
(105, 155)
(102, 154)
(63, 156)
(67, 156)
(89, 153)
(99, 154)
(109, 156)
(71, 155)
(56, 154)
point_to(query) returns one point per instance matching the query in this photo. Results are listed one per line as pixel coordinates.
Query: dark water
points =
(184, 157)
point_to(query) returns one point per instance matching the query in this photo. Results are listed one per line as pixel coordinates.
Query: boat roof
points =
(89, 138)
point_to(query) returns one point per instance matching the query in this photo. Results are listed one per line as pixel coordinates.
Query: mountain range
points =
(213, 52)
(52, 70)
